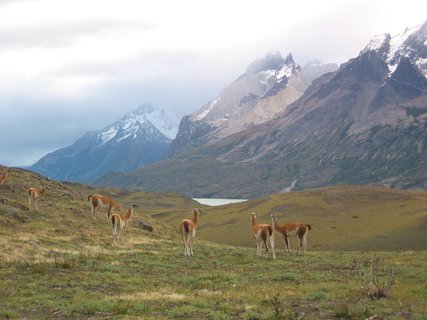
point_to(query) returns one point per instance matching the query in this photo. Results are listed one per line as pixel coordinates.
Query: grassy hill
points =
(342, 218)
(59, 263)
(64, 218)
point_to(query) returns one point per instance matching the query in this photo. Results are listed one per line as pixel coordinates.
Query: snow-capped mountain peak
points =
(273, 61)
(411, 44)
(261, 76)
(146, 119)
(166, 121)
(377, 42)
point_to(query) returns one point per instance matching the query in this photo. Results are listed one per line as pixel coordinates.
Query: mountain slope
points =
(267, 87)
(123, 146)
(366, 123)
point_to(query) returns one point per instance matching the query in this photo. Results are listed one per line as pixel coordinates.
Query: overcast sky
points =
(71, 66)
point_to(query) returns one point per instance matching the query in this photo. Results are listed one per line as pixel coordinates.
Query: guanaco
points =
(262, 233)
(287, 230)
(3, 176)
(33, 195)
(104, 201)
(119, 223)
(187, 229)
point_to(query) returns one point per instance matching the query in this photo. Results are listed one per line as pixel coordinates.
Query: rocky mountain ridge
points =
(266, 88)
(365, 123)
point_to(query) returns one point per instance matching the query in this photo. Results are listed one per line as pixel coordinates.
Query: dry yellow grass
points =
(60, 263)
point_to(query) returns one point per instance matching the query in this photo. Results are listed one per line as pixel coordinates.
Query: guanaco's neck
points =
(129, 213)
(196, 217)
(253, 220)
(274, 223)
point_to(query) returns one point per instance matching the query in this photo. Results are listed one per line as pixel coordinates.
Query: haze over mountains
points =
(277, 127)
(140, 137)
(267, 87)
(143, 136)
(362, 124)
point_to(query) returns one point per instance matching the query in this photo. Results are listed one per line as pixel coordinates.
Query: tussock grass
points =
(59, 263)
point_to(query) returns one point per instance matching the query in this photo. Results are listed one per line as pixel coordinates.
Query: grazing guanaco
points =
(3, 176)
(292, 229)
(104, 201)
(119, 223)
(187, 228)
(262, 233)
(33, 195)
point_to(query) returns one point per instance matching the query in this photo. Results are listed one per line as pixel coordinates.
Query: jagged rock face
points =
(190, 133)
(267, 87)
(366, 123)
(125, 145)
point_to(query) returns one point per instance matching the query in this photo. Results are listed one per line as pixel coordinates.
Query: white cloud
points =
(102, 58)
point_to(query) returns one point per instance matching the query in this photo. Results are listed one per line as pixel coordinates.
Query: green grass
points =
(59, 263)
(342, 218)
(161, 282)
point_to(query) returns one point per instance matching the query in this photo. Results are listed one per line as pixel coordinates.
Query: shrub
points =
(372, 285)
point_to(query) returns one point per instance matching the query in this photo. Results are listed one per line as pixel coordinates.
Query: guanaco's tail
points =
(308, 226)
(186, 227)
(265, 234)
(89, 197)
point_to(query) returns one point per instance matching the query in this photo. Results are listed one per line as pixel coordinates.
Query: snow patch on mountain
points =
(165, 120)
(276, 75)
(107, 135)
(144, 120)
(393, 48)
(203, 112)
(376, 42)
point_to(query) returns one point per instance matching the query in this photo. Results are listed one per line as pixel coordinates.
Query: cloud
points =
(61, 34)
(67, 67)
(4, 3)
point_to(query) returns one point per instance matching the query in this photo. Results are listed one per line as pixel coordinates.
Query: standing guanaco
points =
(119, 223)
(262, 233)
(287, 230)
(33, 195)
(104, 201)
(3, 176)
(187, 229)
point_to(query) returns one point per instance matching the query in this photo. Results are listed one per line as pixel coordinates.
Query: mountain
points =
(124, 145)
(267, 87)
(365, 123)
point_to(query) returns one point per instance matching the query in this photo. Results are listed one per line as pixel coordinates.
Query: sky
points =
(72, 66)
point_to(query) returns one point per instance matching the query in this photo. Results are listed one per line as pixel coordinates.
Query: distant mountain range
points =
(365, 123)
(142, 136)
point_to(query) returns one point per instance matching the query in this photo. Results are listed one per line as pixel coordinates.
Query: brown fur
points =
(266, 232)
(287, 230)
(187, 228)
(3, 176)
(100, 200)
(33, 195)
(119, 223)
